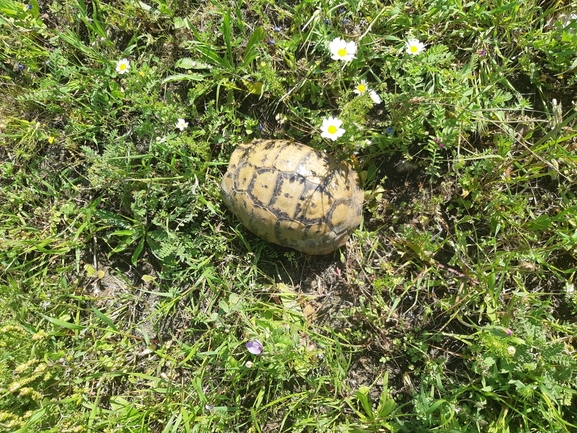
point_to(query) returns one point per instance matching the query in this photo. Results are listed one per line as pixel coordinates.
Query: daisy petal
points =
(331, 128)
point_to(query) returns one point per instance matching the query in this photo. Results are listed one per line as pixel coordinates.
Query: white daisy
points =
(375, 96)
(343, 50)
(414, 46)
(181, 124)
(122, 66)
(361, 87)
(331, 128)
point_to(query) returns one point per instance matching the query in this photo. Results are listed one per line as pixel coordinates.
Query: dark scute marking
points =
(329, 216)
(268, 143)
(282, 177)
(293, 177)
(298, 210)
(277, 231)
(258, 174)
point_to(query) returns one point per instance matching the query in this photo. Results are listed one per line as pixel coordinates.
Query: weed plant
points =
(132, 301)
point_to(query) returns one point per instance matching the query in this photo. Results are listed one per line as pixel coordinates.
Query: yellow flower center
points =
(122, 66)
(414, 49)
(332, 129)
(361, 88)
(342, 52)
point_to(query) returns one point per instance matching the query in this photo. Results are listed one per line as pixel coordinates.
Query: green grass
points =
(128, 292)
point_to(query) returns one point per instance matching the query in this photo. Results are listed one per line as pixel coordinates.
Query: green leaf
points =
(226, 30)
(188, 63)
(137, 251)
(251, 50)
(63, 323)
(211, 56)
(104, 318)
(542, 222)
(111, 219)
(183, 77)
(435, 406)
(386, 403)
(179, 22)
(362, 395)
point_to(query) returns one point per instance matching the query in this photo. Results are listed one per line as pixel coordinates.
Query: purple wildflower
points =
(439, 142)
(255, 347)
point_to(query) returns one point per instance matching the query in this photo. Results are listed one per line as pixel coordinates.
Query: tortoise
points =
(293, 195)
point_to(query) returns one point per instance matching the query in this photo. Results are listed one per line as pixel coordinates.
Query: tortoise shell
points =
(293, 195)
